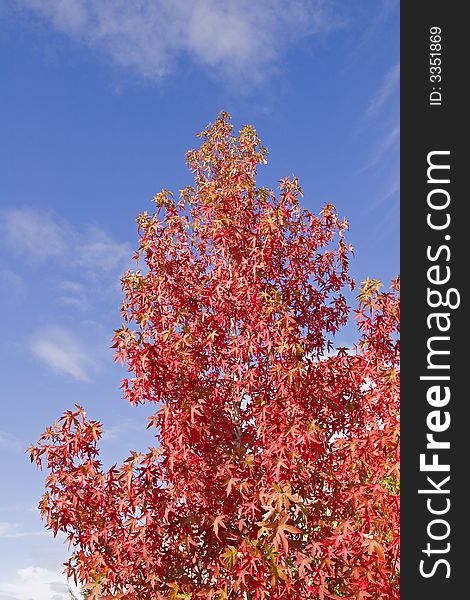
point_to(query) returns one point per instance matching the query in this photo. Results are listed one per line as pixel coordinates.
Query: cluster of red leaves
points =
(276, 470)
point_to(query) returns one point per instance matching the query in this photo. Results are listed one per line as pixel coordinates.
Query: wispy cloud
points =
(36, 582)
(233, 39)
(97, 251)
(6, 528)
(32, 234)
(386, 90)
(40, 237)
(82, 266)
(10, 530)
(61, 350)
(116, 431)
(73, 293)
(10, 442)
(386, 142)
(381, 119)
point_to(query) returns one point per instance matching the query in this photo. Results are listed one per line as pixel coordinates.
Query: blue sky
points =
(99, 101)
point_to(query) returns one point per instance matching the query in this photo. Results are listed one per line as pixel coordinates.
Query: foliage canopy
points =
(275, 475)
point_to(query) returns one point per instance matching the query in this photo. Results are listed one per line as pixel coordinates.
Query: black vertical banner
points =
(435, 335)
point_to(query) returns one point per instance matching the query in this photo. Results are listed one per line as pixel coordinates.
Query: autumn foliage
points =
(275, 469)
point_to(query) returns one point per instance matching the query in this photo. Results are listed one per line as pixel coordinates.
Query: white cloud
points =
(236, 38)
(10, 530)
(31, 233)
(382, 118)
(117, 431)
(42, 237)
(62, 351)
(6, 528)
(36, 583)
(388, 141)
(73, 293)
(99, 252)
(387, 89)
(10, 442)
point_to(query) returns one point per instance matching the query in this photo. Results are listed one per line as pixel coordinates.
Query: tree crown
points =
(276, 468)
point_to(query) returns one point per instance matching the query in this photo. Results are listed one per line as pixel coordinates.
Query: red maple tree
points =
(275, 472)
